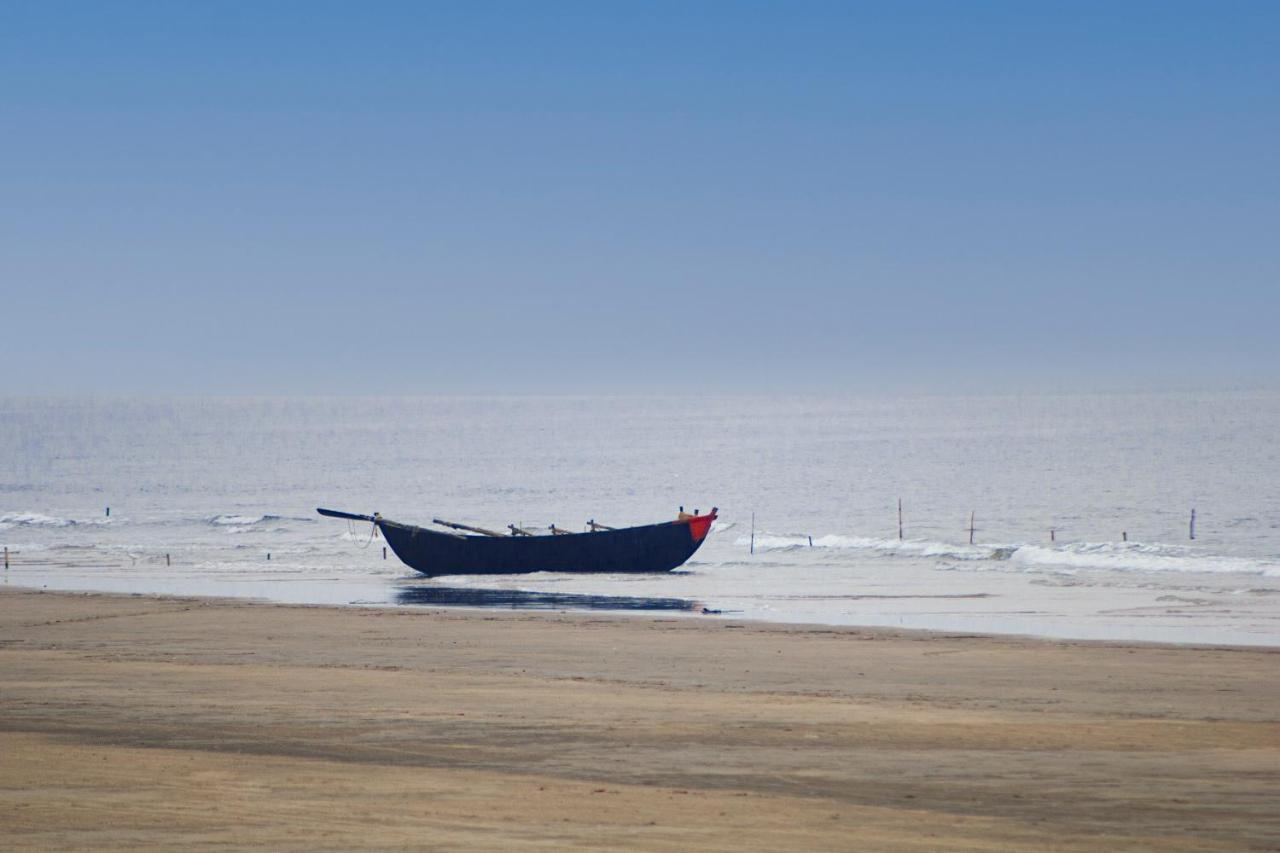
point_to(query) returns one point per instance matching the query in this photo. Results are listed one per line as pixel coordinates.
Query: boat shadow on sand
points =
(519, 599)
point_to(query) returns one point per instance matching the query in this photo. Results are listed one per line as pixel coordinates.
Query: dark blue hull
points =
(652, 548)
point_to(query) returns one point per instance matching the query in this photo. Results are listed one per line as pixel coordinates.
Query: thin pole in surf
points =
(899, 518)
(753, 531)
(6, 558)
(971, 515)
(1192, 531)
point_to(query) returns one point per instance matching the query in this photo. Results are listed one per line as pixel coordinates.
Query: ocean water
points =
(201, 491)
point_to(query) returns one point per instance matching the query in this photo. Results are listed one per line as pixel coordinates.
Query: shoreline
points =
(643, 615)
(638, 612)
(141, 721)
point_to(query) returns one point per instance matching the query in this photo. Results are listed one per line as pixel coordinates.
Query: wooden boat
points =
(476, 551)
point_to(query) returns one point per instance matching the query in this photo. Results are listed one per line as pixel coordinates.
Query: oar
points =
(467, 527)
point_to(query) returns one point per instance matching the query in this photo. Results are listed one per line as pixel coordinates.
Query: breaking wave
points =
(1140, 557)
(35, 519)
(1105, 556)
(241, 520)
(908, 547)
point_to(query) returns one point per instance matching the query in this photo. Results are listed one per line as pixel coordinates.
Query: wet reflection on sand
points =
(518, 599)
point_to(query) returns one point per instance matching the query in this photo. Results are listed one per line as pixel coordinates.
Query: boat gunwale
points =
(561, 537)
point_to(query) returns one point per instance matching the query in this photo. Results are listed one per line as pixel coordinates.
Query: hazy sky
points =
(546, 197)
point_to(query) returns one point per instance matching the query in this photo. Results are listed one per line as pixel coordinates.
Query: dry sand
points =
(141, 722)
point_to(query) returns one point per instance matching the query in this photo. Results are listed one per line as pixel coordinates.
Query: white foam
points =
(909, 547)
(239, 520)
(1140, 557)
(1110, 556)
(36, 519)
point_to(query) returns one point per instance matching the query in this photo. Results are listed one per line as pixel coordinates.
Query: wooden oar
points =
(466, 527)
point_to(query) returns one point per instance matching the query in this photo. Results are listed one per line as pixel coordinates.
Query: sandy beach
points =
(142, 722)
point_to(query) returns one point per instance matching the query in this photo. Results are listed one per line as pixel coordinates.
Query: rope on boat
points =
(373, 531)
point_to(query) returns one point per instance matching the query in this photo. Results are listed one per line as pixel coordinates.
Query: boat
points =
(467, 550)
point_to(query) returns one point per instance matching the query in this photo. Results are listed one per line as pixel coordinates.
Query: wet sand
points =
(142, 722)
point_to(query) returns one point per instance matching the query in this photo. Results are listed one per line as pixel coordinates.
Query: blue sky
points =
(584, 197)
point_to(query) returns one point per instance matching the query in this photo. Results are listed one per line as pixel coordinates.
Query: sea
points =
(1065, 516)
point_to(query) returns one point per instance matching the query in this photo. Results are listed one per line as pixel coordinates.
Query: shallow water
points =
(218, 484)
